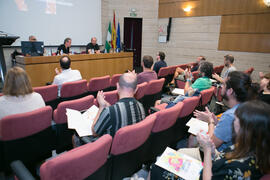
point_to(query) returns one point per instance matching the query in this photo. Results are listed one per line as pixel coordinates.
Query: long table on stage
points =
(41, 68)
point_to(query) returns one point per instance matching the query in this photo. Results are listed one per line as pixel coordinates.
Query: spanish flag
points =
(114, 32)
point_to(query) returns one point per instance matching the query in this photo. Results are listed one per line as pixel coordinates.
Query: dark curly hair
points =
(206, 68)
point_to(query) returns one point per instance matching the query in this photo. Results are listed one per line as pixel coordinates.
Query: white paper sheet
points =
(197, 126)
(82, 123)
(178, 91)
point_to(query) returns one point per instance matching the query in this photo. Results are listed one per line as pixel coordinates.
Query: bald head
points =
(65, 62)
(94, 40)
(128, 81)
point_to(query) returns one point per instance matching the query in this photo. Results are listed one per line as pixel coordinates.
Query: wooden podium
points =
(41, 68)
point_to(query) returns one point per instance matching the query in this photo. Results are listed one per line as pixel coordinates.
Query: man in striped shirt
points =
(125, 112)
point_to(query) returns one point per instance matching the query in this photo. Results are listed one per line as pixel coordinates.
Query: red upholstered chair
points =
(127, 152)
(141, 89)
(114, 80)
(163, 72)
(73, 90)
(64, 135)
(152, 93)
(110, 96)
(193, 64)
(163, 130)
(27, 137)
(180, 84)
(218, 69)
(182, 66)
(49, 94)
(206, 96)
(85, 162)
(249, 71)
(195, 75)
(98, 83)
(1, 94)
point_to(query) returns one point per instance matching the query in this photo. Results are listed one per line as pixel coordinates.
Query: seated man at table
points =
(125, 112)
(66, 74)
(32, 38)
(148, 74)
(92, 47)
(64, 48)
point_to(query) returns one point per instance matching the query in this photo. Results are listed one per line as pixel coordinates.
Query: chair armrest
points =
(21, 171)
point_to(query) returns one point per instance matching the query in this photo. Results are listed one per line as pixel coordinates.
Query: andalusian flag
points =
(114, 32)
(109, 39)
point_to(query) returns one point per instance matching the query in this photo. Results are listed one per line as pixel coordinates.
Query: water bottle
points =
(61, 52)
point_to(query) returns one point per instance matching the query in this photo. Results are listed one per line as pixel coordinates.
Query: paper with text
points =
(180, 164)
(82, 123)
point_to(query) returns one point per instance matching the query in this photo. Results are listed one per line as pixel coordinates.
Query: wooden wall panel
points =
(174, 8)
(255, 23)
(245, 42)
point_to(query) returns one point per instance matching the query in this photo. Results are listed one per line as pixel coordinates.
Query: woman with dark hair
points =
(18, 94)
(265, 88)
(248, 158)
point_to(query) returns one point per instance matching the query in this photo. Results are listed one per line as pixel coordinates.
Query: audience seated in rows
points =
(180, 73)
(248, 158)
(148, 74)
(228, 63)
(18, 95)
(202, 83)
(125, 112)
(66, 74)
(236, 89)
(160, 62)
(265, 88)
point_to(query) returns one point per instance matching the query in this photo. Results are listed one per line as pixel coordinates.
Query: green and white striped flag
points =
(109, 39)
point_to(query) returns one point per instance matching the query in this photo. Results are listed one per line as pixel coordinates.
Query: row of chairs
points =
(77, 89)
(131, 147)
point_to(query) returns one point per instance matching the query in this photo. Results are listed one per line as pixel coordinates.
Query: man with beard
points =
(228, 63)
(236, 88)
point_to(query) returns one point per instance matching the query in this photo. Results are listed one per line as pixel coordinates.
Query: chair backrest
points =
(163, 72)
(131, 137)
(114, 80)
(180, 84)
(25, 124)
(59, 114)
(218, 69)
(172, 69)
(206, 95)
(74, 88)
(99, 83)
(154, 86)
(78, 163)
(193, 64)
(195, 75)
(182, 66)
(166, 118)
(249, 71)
(48, 93)
(189, 104)
(110, 96)
(141, 89)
